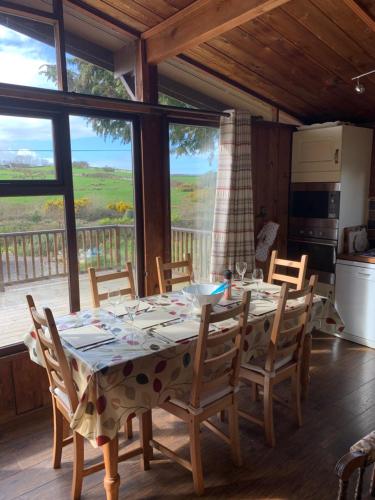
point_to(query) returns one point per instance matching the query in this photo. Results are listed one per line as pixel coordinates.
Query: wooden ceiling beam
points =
(200, 22)
(361, 13)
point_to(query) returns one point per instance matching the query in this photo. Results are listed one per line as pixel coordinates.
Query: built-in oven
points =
(315, 200)
(313, 227)
(322, 256)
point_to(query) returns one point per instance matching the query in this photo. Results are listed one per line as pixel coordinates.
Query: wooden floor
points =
(340, 409)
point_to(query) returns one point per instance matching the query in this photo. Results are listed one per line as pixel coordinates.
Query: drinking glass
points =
(114, 298)
(241, 268)
(194, 300)
(131, 307)
(258, 277)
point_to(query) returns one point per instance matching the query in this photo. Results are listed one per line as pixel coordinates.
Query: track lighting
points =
(359, 87)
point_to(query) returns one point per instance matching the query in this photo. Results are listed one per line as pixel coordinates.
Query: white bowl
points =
(199, 295)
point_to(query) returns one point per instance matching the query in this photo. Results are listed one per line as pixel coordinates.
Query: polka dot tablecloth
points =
(141, 369)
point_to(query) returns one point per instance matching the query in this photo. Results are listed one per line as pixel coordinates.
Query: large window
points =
(26, 151)
(193, 171)
(26, 50)
(33, 259)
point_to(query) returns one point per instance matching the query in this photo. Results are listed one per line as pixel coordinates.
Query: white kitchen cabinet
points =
(326, 154)
(316, 155)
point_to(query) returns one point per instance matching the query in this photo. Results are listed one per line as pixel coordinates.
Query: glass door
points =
(193, 164)
(104, 201)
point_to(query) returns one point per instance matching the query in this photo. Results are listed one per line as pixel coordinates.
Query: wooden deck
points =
(340, 409)
(51, 292)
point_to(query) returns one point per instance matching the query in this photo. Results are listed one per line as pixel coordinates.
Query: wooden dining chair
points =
(168, 267)
(95, 279)
(97, 297)
(214, 387)
(301, 265)
(283, 359)
(65, 401)
(361, 455)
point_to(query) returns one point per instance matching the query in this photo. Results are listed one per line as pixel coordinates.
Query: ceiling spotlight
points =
(359, 87)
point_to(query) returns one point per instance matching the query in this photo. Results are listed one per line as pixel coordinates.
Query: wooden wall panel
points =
(7, 395)
(23, 386)
(372, 175)
(271, 148)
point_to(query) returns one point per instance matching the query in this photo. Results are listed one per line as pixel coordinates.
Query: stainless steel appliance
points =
(318, 200)
(314, 226)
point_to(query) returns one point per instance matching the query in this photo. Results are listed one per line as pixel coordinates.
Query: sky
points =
(29, 140)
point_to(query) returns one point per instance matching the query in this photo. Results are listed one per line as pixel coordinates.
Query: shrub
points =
(120, 207)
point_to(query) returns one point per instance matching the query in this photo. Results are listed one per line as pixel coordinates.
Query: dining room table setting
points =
(124, 363)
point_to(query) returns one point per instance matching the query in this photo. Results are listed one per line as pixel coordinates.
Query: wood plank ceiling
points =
(300, 56)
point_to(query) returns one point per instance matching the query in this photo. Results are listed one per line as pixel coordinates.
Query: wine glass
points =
(115, 298)
(194, 300)
(258, 277)
(131, 307)
(241, 268)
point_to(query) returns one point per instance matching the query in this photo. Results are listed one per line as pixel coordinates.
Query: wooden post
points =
(156, 203)
(155, 172)
(117, 247)
(2, 289)
(146, 76)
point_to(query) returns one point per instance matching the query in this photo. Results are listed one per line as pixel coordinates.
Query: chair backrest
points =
(286, 342)
(219, 371)
(163, 267)
(301, 265)
(56, 364)
(94, 279)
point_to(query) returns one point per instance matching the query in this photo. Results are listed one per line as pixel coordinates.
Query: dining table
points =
(124, 367)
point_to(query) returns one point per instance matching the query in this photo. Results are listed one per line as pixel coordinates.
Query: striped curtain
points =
(233, 229)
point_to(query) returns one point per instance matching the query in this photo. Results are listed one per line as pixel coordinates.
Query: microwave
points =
(315, 200)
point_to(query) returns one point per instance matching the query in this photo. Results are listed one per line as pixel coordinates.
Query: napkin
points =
(153, 318)
(85, 336)
(259, 307)
(179, 331)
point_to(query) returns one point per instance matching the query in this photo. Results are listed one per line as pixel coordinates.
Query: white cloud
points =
(14, 128)
(27, 153)
(8, 35)
(21, 59)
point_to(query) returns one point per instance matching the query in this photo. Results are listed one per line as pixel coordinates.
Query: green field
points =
(95, 190)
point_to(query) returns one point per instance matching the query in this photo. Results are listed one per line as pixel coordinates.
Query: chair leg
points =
(78, 446)
(254, 392)
(296, 397)
(145, 429)
(234, 434)
(268, 412)
(128, 429)
(372, 483)
(196, 457)
(221, 416)
(359, 484)
(58, 435)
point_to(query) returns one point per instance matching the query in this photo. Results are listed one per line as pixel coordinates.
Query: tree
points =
(87, 78)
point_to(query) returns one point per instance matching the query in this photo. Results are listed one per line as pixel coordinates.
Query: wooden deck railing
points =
(35, 255)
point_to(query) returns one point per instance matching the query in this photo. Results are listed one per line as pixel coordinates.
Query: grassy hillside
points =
(95, 189)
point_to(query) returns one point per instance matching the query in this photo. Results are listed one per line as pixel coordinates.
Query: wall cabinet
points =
(317, 155)
(326, 154)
